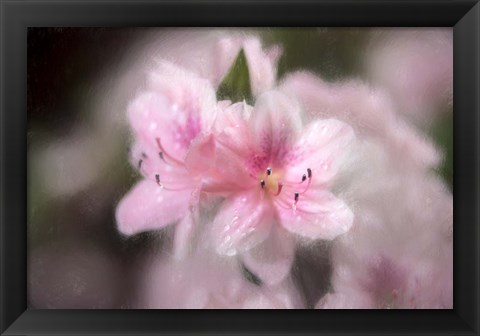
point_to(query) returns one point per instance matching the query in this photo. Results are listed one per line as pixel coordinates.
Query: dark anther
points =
(144, 155)
(161, 155)
(269, 171)
(262, 183)
(140, 163)
(309, 172)
(304, 177)
(250, 276)
(157, 178)
(296, 196)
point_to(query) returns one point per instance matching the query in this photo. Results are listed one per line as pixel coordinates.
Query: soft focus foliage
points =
(284, 168)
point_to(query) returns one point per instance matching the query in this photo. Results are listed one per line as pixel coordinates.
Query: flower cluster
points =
(248, 169)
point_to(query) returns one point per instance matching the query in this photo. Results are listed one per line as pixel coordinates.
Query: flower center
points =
(272, 180)
(272, 183)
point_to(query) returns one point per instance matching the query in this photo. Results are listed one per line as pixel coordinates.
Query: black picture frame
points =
(17, 16)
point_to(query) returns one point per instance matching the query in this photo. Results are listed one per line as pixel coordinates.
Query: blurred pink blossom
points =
(210, 54)
(262, 64)
(369, 109)
(209, 281)
(399, 252)
(416, 67)
(400, 241)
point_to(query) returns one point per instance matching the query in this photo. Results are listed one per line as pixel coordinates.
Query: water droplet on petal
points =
(234, 220)
(153, 126)
(325, 166)
(230, 252)
(333, 215)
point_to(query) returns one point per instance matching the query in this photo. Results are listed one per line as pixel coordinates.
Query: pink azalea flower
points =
(277, 174)
(171, 123)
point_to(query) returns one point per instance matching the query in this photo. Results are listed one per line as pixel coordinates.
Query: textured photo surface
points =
(273, 168)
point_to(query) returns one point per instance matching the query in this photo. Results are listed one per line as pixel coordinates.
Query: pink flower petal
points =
(232, 115)
(149, 207)
(318, 215)
(186, 91)
(149, 116)
(318, 98)
(272, 259)
(176, 109)
(275, 125)
(230, 173)
(232, 138)
(183, 234)
(183, 87)
(262, 64)
(241, 223)
(185, 229)
(152, 116)
(200, 157)
(262, 67)
(322, 148)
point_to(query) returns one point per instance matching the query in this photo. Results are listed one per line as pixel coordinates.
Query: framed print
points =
(202, 167)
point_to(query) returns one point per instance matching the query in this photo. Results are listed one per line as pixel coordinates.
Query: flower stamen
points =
(309, 174)
(294, 205)
(156, 177)
(305, 177)
(164, 155)
(279, 189)
(161, 185)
